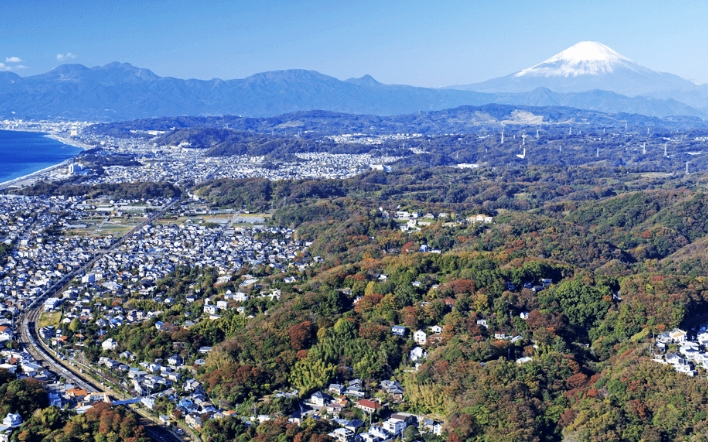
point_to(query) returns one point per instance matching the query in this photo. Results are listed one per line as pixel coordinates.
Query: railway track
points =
(29, 330)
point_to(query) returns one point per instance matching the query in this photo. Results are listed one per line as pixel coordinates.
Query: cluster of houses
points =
(37, 259)
(153, 253)
(61, 395)
(413, 221)
(156, 250)
(330, 405)
(690, 353)
(183, 164)
(23, 365)
(133, 268)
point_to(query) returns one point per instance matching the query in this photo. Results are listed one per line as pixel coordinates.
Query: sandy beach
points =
(31, 178)
(70, 141)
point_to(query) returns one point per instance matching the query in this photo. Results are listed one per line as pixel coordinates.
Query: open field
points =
(48, 319)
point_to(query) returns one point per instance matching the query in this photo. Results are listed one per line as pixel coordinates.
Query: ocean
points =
(22, 153)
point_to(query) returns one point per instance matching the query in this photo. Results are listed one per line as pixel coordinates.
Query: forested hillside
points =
(621, 257)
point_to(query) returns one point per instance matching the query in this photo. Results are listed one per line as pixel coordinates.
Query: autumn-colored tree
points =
(301, 335)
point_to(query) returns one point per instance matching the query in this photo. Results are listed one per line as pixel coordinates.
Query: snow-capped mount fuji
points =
(588, 66)
(584, 58)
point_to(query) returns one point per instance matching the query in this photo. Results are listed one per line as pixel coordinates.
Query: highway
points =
(29, 336)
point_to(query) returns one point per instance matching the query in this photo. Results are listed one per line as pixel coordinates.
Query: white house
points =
(342, 435)
(319, 399)
(678, 336)
(175, 360)
(420, 337)
(394, 426)
(398, 330)
(52, 304)
(88, 278)
(417, 353)
(431, 426)
(109, 344)
(12, 420)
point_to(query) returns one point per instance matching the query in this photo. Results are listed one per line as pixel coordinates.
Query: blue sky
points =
(423, 43)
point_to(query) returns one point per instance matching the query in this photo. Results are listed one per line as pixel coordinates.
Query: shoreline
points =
(67, 141)
(29, 176)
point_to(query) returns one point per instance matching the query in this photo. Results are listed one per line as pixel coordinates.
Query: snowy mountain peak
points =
(584, 58)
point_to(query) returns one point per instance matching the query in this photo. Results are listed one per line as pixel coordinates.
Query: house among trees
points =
(368, 406)
(175, 360)
(109, 344)
(420, 337)
(320, 399)
(399, 330)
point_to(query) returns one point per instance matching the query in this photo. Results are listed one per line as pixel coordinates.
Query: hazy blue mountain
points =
(463, 119)
(119, 91)
(599, 100)
(593, 66)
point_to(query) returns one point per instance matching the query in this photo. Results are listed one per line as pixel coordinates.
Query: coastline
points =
(67, 141)
(14, 181)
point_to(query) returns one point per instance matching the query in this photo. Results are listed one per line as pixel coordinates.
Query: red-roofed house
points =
(368, 406)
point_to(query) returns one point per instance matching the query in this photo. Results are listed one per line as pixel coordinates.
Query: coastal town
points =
(181, 164)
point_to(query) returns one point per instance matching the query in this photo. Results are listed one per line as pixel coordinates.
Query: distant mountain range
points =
(586, 76)
(482, 120)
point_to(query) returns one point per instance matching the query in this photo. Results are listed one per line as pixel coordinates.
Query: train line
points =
(29, 330)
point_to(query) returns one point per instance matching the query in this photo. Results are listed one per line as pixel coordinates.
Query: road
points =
(29, 336)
